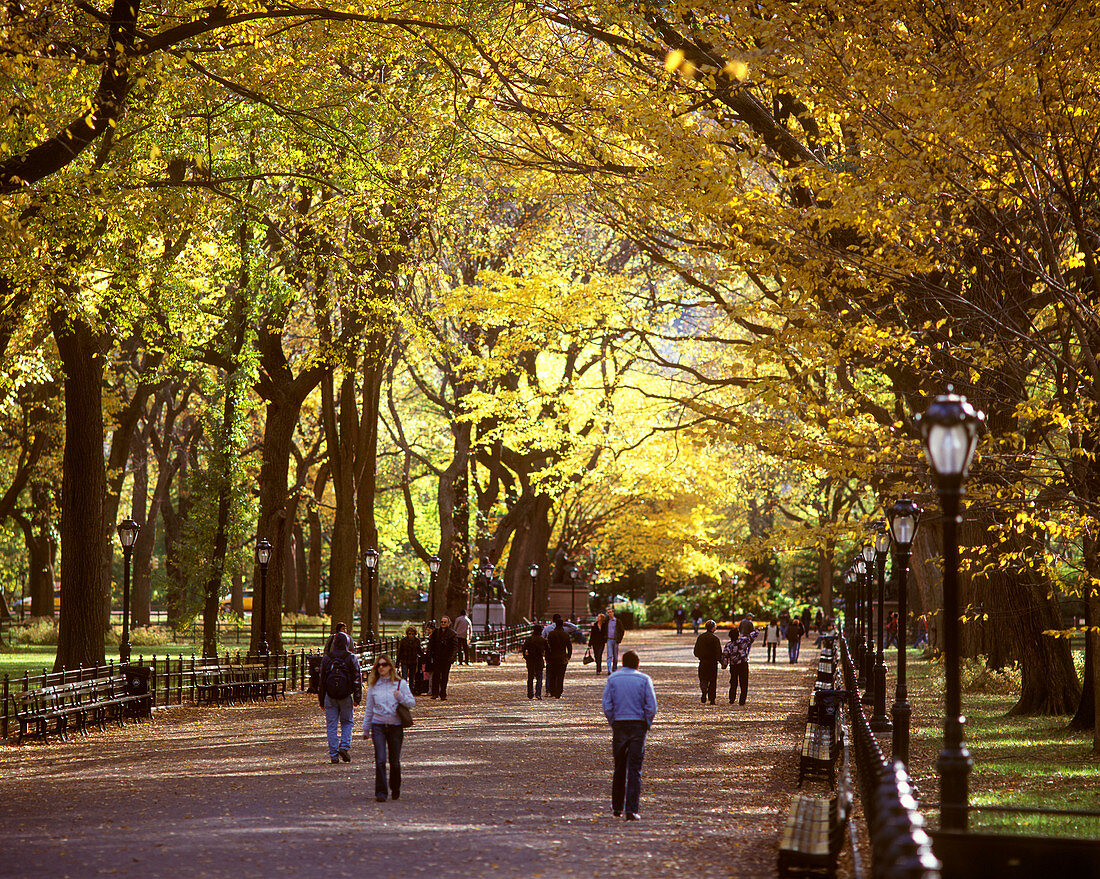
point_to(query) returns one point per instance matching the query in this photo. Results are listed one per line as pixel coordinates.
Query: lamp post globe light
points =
(867, 551)
(860, 568)
(263, 557)
(903, 516)
(880, 722)
(127, 535)
(370, 559)
(949, 433)
(434, 564)
(534, 572)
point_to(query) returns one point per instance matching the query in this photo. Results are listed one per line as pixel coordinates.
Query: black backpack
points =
(340, 680)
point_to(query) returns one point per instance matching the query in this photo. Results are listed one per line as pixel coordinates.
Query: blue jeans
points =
(339, 711)
(628, 747)
(612, 655)
(534, 681)
(387, 737)
(792, 649)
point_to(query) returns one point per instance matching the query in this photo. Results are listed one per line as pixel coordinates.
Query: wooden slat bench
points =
(75, 705)
(226, 684)
(817, 756)
(813, 836)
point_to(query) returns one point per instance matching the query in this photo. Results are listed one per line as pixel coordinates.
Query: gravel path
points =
(495, 786)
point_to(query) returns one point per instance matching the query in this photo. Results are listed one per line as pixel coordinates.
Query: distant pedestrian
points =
(794, 638)
(679, 614)
(819, 622)
(339, 627)
(736, 657)
(341, 688)
(696, 618)
(892, 630)
(922, 632)
(534, 654)
(597, 639)
(771, 639)
(708, 650)
(630, 705)
(805, 621)
(441, 649)
(613, 632)
(408, 656)
(746, 625)
(559, 647)
(462, 629)
(385, 690)
(784, 621)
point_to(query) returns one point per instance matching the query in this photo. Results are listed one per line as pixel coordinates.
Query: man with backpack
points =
(341, 689)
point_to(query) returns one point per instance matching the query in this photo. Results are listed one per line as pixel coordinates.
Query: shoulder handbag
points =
(404, 715)
(588, 656)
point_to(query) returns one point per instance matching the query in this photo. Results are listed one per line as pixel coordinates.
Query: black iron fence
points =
(900, 847)
(178, 680)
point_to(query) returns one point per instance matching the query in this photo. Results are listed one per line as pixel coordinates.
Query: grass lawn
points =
(1030, 762)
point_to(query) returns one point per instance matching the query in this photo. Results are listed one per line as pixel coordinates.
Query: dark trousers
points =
(441, 671)
(597, 654)
(628, 747)
(708, 680)
(555, 678)
(679, 627)
(771, 651)
(534, 681)
(462, 651)
(739, 674)
(387, 737)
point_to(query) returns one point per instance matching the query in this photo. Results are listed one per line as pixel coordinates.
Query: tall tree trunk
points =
(83, 487)
(529, 542)
(316, 541)
(343, 543)
(366, 465)
(300, 566)
(454, 526)
(37, 535)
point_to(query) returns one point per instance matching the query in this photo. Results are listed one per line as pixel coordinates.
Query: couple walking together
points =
(342, 688)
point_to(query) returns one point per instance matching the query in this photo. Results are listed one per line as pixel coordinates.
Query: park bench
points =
(824, 737)
(813, 836)
(76, 705)
(226, 684)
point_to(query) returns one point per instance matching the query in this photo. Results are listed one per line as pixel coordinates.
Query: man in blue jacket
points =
(629, 704)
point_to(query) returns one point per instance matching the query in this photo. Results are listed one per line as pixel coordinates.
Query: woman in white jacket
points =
(380, 722)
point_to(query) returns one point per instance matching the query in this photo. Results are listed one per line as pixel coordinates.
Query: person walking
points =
(597, 639)
(462, 629)
(408, 656)
(613, 632)
(534, 654)
(678, 615)
(784, 621)
(892, 630)
(736, 657)
(559, 648)
(805, 620)
(441, 651)
(341, 688)
(385, 689)
(339, 627)
(771, 639)
(794, 638)
(696, 618)
(708, 650)
(630, 705)
(746, 625)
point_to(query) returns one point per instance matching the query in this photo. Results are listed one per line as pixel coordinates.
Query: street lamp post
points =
(370, 559)
(860, 576)
(534, 572)
(487, 589)
(434, 564)
(880, 722)
(263, 556)
(903, 517)
(127, 534)
(868, 553)
(849, 618)
(949, 432)
(573, 574)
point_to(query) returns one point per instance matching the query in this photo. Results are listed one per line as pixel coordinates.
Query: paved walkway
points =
(495, 786)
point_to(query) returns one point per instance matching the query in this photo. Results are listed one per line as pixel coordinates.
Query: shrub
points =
(42, 630)
(633, 613)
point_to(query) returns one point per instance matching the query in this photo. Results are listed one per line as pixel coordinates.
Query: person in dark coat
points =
(559, 648)
(805, 621)
(534, 654)
(679, 615)
(441, 648)
(708, 650)
(597, 639)
(746, 625)
(408, 655)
